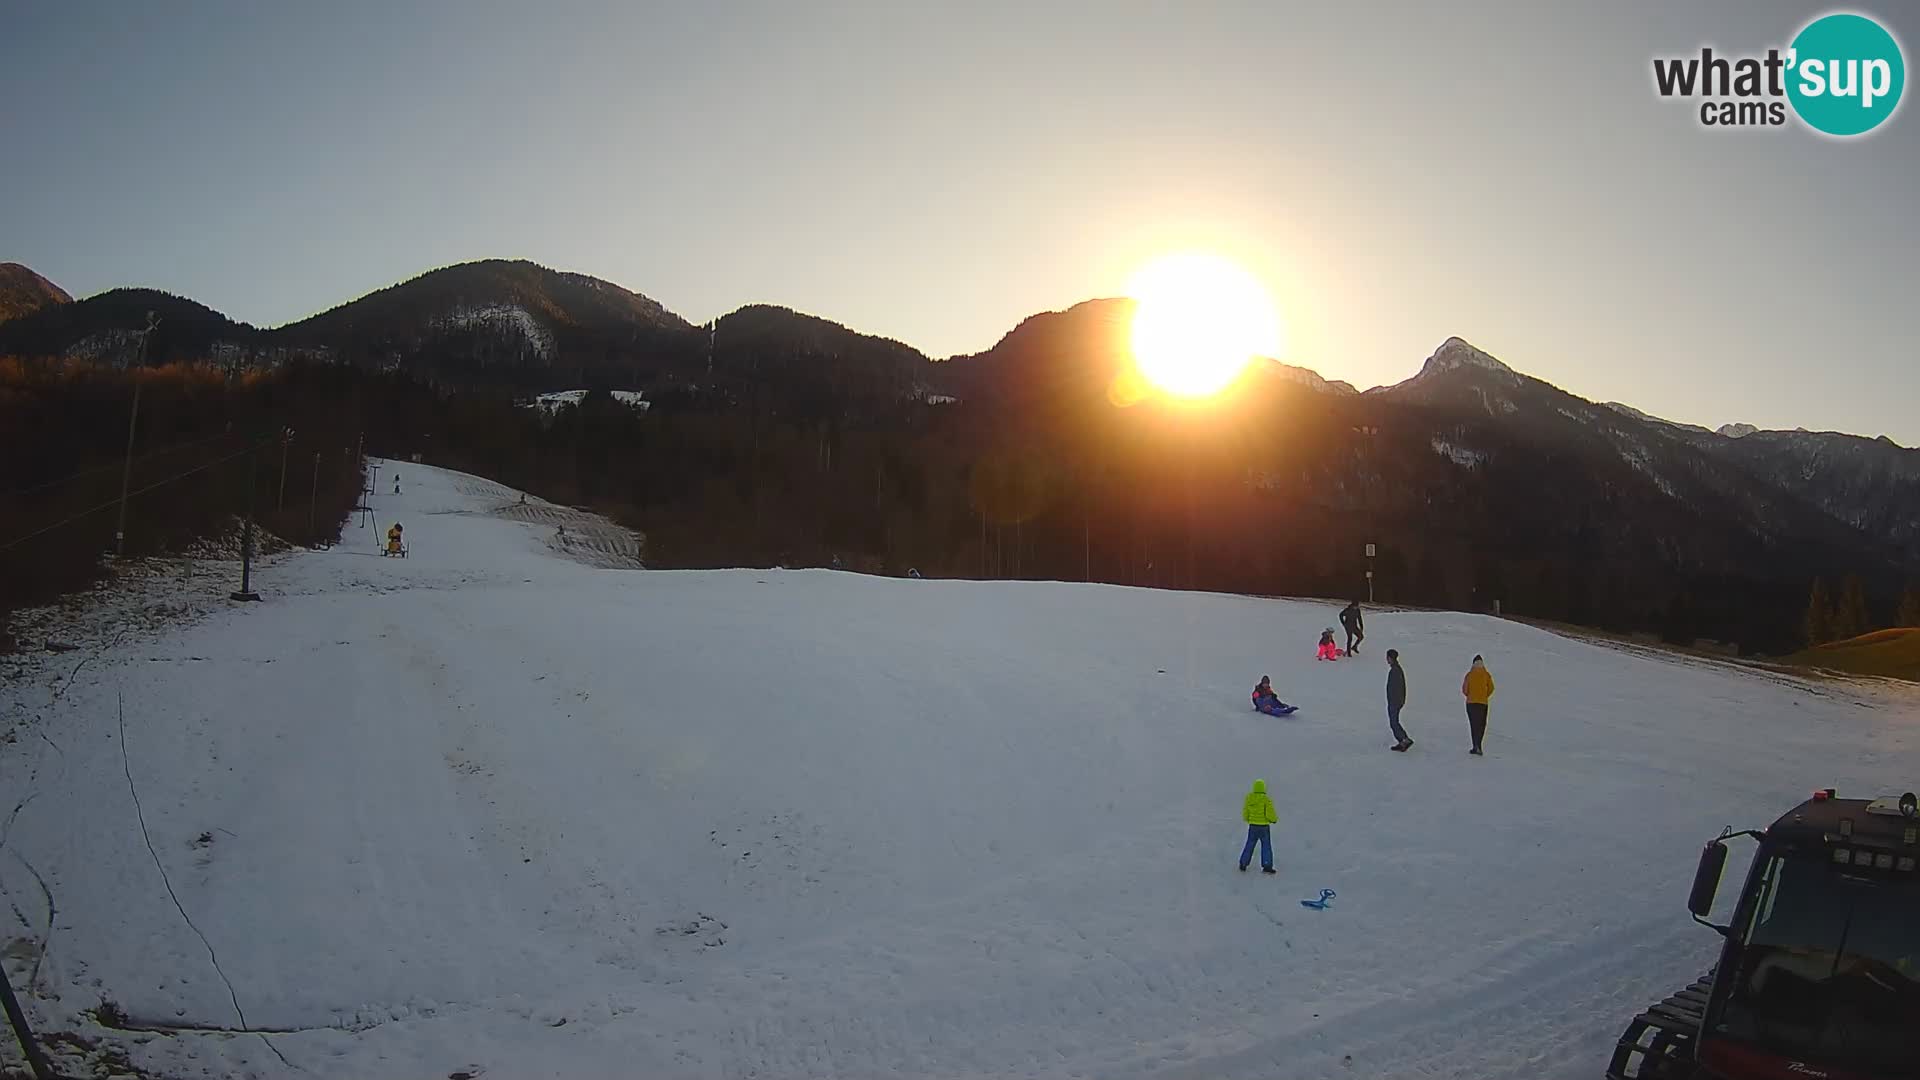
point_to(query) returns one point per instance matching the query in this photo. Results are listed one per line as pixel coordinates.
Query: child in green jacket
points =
(1257, 811)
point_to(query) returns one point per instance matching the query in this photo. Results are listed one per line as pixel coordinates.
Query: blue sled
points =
(1277, 710)
(1326, 897)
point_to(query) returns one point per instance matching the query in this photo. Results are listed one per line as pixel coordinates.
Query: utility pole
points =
(286, 443)
(246, 541)
(313, 501)
(126, 470)
(36, 1059)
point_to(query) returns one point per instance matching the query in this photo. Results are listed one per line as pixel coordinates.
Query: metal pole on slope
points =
(36, 1059)
(126, 471)
(313, 500)
(286, 443)
(246, 540)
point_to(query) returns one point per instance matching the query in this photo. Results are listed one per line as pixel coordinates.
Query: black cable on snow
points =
(139, 813)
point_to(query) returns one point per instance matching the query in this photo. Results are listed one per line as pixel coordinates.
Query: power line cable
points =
(148, 456)
(110, 503)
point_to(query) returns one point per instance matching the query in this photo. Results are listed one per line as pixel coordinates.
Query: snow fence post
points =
(246, 541)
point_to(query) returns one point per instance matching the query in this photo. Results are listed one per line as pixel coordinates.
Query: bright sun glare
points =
(1199, 319)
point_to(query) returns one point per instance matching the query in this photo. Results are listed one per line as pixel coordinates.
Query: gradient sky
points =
(1396, 173)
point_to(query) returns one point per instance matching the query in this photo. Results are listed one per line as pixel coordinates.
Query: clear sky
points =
(1396, 173)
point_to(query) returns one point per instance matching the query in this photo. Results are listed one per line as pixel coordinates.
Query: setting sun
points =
(1200, 319)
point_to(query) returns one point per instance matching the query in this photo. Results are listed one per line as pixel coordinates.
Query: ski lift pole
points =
(18, 1018)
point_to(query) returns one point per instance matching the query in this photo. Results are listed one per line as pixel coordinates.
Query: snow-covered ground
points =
(490, 810)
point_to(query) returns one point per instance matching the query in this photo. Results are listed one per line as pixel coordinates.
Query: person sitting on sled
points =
(1266, 701)
(393, 539)
(1329, 648)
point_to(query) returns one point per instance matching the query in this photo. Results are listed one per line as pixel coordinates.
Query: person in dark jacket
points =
(1355, 626)
(1396, 700)
(1266, 701)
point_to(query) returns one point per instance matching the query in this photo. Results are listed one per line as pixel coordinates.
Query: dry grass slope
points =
(1893, 654)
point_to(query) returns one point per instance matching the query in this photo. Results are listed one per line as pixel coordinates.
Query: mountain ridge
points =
(510, 277)
(23, 292)
(769, 429)
(1469, 431)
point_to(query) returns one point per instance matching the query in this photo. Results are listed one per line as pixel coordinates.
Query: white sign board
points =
(1369, 551)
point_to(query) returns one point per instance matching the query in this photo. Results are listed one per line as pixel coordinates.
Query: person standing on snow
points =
(1356, 627)
(1396, 700)
(1257, 811)
(1478, 690)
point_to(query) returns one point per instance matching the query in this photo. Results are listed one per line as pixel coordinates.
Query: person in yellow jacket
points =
(1478, 690)
(1257, 811)
(393, 539)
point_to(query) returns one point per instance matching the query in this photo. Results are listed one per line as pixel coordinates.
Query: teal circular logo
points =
(1845, 74)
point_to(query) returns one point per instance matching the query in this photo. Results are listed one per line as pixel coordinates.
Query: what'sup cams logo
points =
(1842, 76)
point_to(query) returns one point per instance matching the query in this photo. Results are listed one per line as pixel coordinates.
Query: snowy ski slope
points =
(492, 810)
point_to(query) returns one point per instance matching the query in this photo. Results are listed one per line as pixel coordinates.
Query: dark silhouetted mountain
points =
(106, 328)
(1051, 360)
(1083, 356)
(23, 292)
(1503, 486)
(494, 322)
(1479, 483)
(806, 366)
(1711, 474)
(497, 321)
(1873, 484)
(1651, 419)
(1640, 454)
(1870, 484)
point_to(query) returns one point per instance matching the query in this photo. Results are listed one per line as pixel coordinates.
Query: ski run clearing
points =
(493, 810)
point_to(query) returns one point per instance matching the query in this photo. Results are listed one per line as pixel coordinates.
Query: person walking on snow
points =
(1355, 626)
(1478, 689)
(1257, 811)
(1396, 700)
